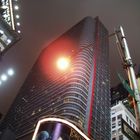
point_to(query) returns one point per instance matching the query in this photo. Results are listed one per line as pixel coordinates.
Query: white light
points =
(58, 120)
(3, 77)
(1, 32)
(16, 7)
(60, 138)
(19, 31)
(4, 7)
(17, 16)
(18, 24)
(10, 72)
(5, 15)
(9, 41)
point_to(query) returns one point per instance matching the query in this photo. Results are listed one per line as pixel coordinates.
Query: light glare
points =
(19, 31)
(16, 7)
(3, 77)
(10, 72)
(9, 41)
(63, 63)
(18, 24)
(17, 16)
(1, 32)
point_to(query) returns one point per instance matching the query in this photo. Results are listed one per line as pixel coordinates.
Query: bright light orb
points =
(16, 7)
(3, 77)
(10, 72)
(18, 24)
(63, 63)
(19, 31)
(17, 16)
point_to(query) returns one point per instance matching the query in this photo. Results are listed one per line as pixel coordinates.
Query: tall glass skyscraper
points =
(81, 93)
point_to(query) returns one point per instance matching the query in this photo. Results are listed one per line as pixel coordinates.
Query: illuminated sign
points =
(7, 36)
(7, 12)
(128, 131)
(57, 129)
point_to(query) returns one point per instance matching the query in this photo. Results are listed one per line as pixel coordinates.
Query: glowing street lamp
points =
(10, 72)
(3, 77)
(63, 63)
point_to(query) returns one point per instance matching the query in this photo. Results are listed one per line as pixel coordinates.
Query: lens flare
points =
(63, 63)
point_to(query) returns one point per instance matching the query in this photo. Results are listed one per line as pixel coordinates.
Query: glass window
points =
(119, 123)
(133, 125)
(119, 130)
(130, 122)
(113, 119)
(113, 126)
(113, 111)
(119, 116)
(114, 132)
(127, 118)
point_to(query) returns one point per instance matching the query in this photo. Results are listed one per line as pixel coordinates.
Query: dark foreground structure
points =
(81, 94)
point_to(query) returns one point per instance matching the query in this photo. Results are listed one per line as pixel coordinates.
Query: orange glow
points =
(63, 63)
(49, 64)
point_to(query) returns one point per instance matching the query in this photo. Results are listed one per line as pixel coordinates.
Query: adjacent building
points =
(9, 24)
(118, 112)
(81, 94)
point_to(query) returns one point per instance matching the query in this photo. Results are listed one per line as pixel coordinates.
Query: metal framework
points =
(129, 67)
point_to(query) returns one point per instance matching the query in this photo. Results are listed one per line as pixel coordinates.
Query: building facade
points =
(118, 112)
(80, 94)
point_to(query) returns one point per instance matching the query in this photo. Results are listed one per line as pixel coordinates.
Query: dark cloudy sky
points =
(42, 21)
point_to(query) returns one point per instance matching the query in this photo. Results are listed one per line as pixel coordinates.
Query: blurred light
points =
(16, 7)
(9, 40)
(5, 15)
(63, 63)
(18, 24)
(4, 7)
(0, 83)
(60, 138)
(19, 31)
(17, 16)
(10, 72)
(3, 77)
(1, 32)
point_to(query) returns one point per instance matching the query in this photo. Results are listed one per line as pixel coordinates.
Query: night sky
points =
(42, 21)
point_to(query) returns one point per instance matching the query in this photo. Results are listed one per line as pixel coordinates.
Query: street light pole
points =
(128, 66)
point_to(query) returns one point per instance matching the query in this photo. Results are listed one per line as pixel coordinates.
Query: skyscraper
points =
(81, 93)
